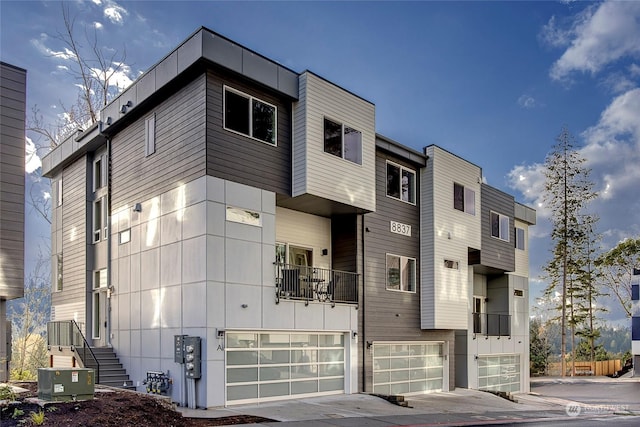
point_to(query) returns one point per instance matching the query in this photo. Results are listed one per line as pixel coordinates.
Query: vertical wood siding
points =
(240, 158)
(323, 174)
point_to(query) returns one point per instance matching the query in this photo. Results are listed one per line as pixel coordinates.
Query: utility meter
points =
(192, 357)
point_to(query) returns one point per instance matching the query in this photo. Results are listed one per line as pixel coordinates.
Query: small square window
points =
(518, 292)
(451, 264)
(125, 236)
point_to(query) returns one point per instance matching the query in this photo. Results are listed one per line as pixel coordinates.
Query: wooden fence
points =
(603, 367)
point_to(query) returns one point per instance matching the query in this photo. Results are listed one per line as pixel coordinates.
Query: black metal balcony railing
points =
(299, 282)
(494, 325)
(67, 333)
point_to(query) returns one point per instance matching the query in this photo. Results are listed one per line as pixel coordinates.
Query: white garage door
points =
(275, 365)
(400, 368)
(499, 373)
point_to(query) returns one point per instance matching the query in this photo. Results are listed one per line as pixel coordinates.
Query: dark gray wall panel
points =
(497, 253)
(242, 159)
(180, 148)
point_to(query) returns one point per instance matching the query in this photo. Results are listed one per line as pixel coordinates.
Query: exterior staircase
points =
(111, 371)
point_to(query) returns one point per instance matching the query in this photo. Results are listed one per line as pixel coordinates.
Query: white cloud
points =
(114, 12)
(617, 82)
(527, 101)
(31, 161)
(117, 79)
(97, 25)
(65, 54)
(46, 195)
(600, 35)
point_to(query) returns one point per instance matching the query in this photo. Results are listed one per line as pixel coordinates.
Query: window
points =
(58, 272)
(100, 172)
(464, 199)
(451, 264)
(59, 192)
(125, 236)
(520, 238)
(249, 116)
(401, 183)
(99, 220)
(401, 273)
(150, 135)
(100, 279)
(294, 255)
(518, 292)
(342, 141)
(500, 226)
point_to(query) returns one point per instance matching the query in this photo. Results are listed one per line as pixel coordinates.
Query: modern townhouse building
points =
(229, 206)
(13, 94)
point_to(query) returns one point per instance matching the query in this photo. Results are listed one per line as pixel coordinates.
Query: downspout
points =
(362, 307)
(108, 219)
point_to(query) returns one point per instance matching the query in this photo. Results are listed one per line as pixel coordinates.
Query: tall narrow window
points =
(520, 238)
(464, 199)
(342, 141)
(401, 273)
(58, 272)
(99, 219)
(100, 172)
(500, 226)
(250, 116)
(401, 183)
(150, 135)
(59, 192)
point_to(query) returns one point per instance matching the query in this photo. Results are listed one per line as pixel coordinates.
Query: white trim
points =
(342, 126)
(386, 273)
(500, 218)
(415, 182)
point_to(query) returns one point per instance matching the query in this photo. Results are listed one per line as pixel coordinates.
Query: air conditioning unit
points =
(66, 384)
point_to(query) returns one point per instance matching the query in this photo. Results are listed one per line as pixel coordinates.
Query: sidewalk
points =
(458, 407)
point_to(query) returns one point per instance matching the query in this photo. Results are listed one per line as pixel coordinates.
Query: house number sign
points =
(400, 228)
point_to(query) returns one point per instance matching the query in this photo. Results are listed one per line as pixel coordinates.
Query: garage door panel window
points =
(407, 368)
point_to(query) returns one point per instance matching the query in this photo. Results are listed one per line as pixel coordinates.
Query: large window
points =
(520, 239)
(342, 141)
(464, 199)
(401, 273)
(401, 183)
(500, 226)
(249, 116)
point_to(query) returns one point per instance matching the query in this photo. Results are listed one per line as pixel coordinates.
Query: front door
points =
(99, 309)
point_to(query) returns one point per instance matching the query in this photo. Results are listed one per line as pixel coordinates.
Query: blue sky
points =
(493, 82)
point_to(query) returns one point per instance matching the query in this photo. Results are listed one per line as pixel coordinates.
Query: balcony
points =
(304, 283)
(492, 325)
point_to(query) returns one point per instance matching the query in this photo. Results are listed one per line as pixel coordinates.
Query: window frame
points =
(59, 192)
(251, 123)
(501, 217)
(402, 286)
(401, 170)
(466, 191)
(343, 128)
(520, 239)
(100, 172)
(99, 233)
(150, 135)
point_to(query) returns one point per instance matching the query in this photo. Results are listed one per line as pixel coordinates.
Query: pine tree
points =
(567, 192)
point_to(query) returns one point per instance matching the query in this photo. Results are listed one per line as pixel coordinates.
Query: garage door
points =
(499, 373)
(400, 368)
(271, 366)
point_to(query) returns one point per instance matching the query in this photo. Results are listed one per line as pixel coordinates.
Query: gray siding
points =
(180, 148)
(392, 315)
(497, 253)
(12, 156)
(74, 235)
(241, 159)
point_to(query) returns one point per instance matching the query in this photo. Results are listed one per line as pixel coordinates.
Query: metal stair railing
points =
(67, 333)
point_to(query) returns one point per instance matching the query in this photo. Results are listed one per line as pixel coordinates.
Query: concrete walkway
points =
(458, 407)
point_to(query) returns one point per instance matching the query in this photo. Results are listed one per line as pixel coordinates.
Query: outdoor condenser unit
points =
(66, 384)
